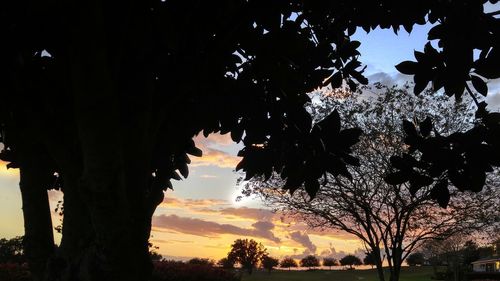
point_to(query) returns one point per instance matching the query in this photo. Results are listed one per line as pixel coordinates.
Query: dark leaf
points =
(407, 67)
(426, 127)
(396, 178)
(398, 162)
(175, 176)
(409, 128)
(194, 151)
(312, 187)
(479, 85)
(477, 181)
(350, 136)
(330, 123)
(336, 80)
(184, 170)
(441, 193)
(236, 134)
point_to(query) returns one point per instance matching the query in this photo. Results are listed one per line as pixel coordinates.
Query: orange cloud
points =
(173, 202)
(215, 157)
(219, 139)
(204, 228)
(212, 155)
(249, 213)
(303, 239)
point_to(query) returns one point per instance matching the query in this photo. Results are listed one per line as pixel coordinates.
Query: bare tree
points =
(390, 220)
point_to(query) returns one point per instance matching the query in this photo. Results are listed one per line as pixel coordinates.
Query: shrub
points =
(269, 263)
(309, 261)
(201, 261)
(351, 261)
(14, 272)
(288, 263)
(175, 271)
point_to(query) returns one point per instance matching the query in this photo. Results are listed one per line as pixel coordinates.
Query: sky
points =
(201, 216)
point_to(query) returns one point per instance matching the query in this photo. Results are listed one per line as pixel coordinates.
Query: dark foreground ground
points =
(408, 274)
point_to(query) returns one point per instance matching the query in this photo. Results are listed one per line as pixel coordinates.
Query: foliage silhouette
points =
(201, 261)
(369, 259)
(350, 260)
(109, 96)
(269, 263)
(247, 252)
(330, 262)
(11, 250)
(415, 259)
(309, 261)
(226, 263)
(288, 263)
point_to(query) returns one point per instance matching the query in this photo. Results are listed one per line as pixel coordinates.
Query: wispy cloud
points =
(206, 176)
(331, 252)
(303, 239)
(174, 202)
(204, 228)
(217, 139)
(215, 157)
(212, 155)
(249, 213)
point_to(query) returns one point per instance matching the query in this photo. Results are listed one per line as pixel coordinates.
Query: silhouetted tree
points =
(414, 259)
(350, 260)
(201, 261)
(246, 252)
(309, 261)
(330, 262)
(110, 94)
(288, 263)
(11, 250)
(153, 252)
(269, 262)
(226, 263)
(390, 220)
(369, 259)
(455, 253)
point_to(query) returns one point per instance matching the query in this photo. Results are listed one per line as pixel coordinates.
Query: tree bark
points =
(78, 239)
(38, 237)
(395, 272)
(378, 263)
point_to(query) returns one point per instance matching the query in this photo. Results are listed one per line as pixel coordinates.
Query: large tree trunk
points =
(396, 271)
(111, 106)
(378, 264)
(78, 239)
(38, 237)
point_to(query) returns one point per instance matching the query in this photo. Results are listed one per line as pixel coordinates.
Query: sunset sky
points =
(201, 217)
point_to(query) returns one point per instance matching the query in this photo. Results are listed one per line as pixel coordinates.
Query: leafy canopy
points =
(350, 260)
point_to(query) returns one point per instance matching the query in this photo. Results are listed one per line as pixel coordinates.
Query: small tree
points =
(269, 263)
(201, 261)
(415, 259)
(153, 252)
(351, 261)
(288, 263)
(330, 262)
(369, 259)
(246, 252)
(226, 263)
(309, 261)
(11, 250)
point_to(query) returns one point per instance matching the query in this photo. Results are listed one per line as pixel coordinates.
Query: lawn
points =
(408, 274)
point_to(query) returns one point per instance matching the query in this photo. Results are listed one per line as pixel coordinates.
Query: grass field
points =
(407, 274)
